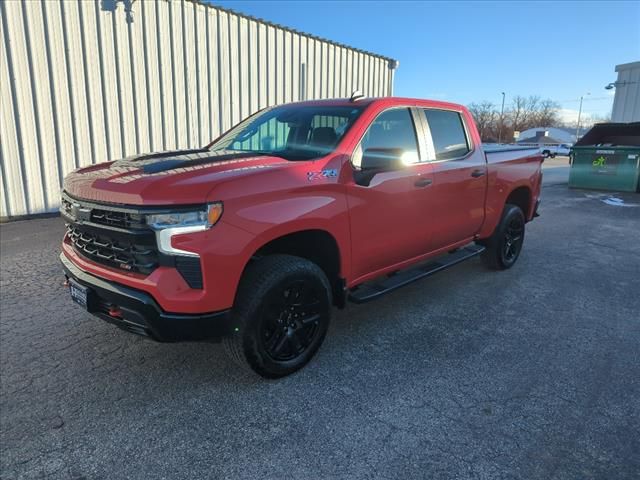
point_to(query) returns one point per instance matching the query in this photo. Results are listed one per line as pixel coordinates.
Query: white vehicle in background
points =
(550, 151)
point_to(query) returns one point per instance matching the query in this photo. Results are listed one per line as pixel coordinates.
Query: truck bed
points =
(508, 153)
(510, 166)
(488, 149)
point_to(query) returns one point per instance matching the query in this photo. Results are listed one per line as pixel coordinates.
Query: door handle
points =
(478, 173)
(423, 182)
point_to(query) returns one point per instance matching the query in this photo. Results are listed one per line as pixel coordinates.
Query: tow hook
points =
(115, 312)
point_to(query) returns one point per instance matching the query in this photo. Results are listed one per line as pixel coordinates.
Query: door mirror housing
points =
(378, 160)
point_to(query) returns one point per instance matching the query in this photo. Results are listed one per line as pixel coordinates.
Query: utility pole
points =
(579, 115)
(501, 120)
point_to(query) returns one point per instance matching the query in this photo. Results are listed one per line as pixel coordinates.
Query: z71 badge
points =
(322, 174)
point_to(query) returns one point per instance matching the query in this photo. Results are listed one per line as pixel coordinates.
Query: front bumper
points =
(137, 312)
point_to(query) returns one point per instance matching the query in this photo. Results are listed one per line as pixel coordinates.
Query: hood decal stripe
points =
(157, 163)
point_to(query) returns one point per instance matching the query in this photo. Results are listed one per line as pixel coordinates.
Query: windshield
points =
(293, 132)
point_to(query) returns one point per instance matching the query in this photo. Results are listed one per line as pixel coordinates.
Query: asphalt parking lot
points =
(532, 373)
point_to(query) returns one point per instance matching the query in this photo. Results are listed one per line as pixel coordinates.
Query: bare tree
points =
(485, 115)
(546, 114)
(523, 113)
(518, 113)
(596, 118)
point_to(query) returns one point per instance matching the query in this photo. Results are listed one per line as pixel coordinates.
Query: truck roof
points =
(388, 101)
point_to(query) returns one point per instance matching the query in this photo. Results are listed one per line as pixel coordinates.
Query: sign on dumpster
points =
(605, 162)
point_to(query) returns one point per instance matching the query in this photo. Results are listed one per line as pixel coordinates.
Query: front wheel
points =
(281, 315)
(504, 246)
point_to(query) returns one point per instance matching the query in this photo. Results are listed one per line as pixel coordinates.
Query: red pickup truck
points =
(298, 208)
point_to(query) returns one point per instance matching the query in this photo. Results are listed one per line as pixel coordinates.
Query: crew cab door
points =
(459, 178)
(389, 210)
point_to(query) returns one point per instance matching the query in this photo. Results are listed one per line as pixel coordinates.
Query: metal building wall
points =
(82, 82)
(626, 103)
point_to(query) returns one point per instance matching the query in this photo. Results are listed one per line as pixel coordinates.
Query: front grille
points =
(118, 237)
(112, 218)
(117, 219)
(66, 206)
(123, 253)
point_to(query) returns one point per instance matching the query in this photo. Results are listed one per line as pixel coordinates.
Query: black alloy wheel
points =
(513, 239)
(281, 315)
(503, 247)
(290, 320)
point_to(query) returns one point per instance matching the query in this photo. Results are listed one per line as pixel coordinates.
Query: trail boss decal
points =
(311, 176)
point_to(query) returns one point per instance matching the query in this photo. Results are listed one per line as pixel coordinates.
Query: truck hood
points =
(184, 177)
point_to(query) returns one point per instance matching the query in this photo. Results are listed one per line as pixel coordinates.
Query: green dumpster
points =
(607, 157)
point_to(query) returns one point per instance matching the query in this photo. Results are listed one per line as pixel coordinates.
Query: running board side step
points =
(376, 288)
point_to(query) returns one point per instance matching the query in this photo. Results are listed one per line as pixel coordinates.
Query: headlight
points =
(167, 225)
(202, 218)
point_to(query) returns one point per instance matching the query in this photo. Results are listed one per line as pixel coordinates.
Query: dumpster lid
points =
(612, 134)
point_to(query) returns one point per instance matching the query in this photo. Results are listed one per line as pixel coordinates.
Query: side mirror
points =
(377, 160)
(382, 159)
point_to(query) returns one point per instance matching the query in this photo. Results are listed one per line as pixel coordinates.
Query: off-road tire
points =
(495, 256)
(262, 286)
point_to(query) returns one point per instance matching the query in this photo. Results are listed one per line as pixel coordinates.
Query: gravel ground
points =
(533, 373)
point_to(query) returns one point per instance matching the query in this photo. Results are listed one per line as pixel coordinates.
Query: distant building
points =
(626, 103)
(540, 139)
(563, 135)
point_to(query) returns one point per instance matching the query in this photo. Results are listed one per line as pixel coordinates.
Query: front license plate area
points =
(79, 294)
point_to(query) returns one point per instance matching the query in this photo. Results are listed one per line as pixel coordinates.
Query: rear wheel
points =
(504, 246)
(282, 314)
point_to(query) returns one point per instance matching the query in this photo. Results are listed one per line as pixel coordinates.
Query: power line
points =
(586, 99)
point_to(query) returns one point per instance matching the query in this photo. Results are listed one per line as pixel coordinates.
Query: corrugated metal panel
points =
(626, 103)
(84, 82)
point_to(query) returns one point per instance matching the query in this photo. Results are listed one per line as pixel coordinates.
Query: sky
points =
(472, 51)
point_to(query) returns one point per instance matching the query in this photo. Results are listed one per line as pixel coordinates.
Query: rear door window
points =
(448, 134)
